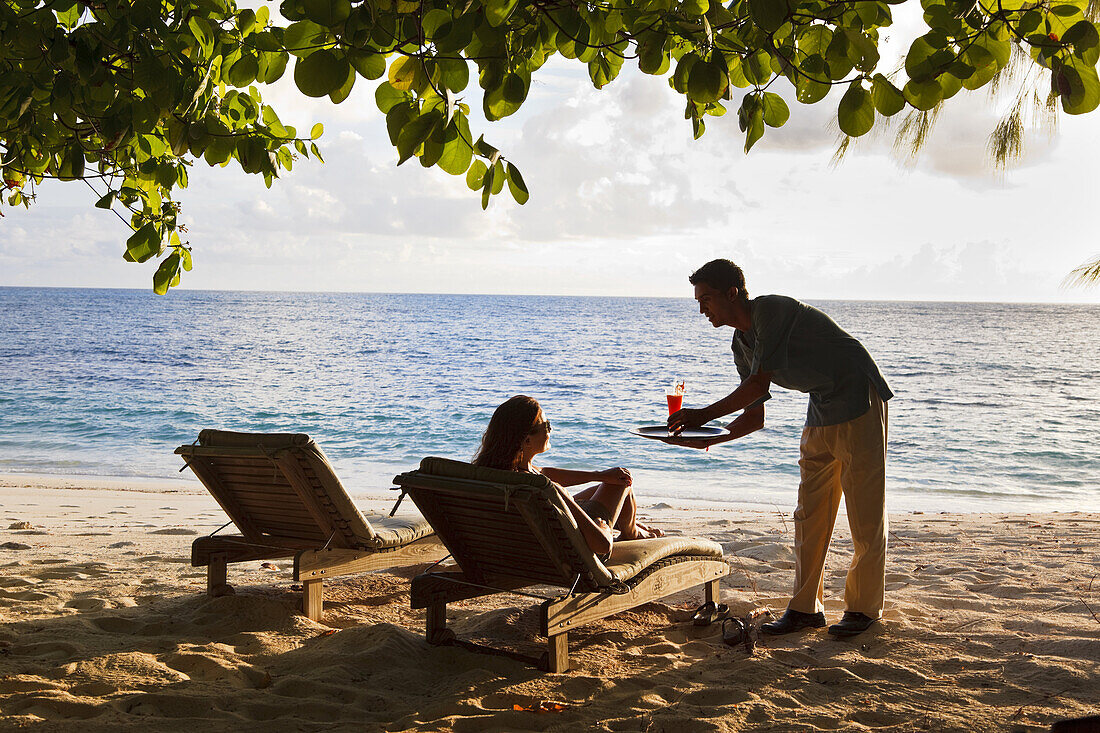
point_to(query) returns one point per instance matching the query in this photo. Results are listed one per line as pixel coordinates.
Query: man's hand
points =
(686, 418)
(618, 476)
(700, 443)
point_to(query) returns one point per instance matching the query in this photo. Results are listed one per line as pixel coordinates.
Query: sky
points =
(623, 202)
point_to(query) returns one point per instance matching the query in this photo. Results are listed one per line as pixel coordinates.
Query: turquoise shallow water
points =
(997, 407)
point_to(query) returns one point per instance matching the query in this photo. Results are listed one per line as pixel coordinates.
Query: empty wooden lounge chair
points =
(507, 530)
(281, 492)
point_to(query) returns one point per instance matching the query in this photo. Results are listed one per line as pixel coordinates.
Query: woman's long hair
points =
(503, 440)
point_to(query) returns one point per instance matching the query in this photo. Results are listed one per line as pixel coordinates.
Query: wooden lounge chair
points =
(281, 492)
(508, 530)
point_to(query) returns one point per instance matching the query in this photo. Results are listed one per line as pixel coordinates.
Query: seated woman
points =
(518, 432)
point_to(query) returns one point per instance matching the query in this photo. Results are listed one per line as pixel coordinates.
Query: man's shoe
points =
(853, 623)
(794, 621)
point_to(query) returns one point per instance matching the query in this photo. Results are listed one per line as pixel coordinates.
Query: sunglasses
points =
(539, 425)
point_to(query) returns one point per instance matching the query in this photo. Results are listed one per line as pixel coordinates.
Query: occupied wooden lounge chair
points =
(508, 530)
(281, 492)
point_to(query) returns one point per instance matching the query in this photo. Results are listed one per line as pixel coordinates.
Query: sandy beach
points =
(992, 624)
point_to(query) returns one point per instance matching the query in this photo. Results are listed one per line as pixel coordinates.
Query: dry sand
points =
(992, 624)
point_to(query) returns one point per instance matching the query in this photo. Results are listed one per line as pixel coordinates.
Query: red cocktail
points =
(675, 397)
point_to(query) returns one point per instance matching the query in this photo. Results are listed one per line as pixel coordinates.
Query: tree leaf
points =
(386, 96)
(475, 176)
(166, 273)
(769, 14)
(414, 133)
(143, 244)
(341, 93)
(776, 112)
(1078, 87)
(321, 73)
(856, 113)
(367, 64)
(327, 12)
(454, 73)
(706, 82)
(402, 73)
(497, 11)
(457, 152)
(887, 98)
(516, 185)
(244, 72)
(924, 95)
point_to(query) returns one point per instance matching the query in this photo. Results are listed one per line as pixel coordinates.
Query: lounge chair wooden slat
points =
(266, 471)
(275, 504)
(229, 503)
(510, 559)
(255, 481)
(286, 500)
(275, 492)
(287, 528)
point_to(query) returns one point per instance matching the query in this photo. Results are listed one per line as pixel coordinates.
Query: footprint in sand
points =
(116, 545)
(770, 552)
(175, 530)
(59, 705)
(46, 650)
(116, 624)
(93, 689)
(63, 574)
(21, 525)
(302, 687)
(165, 706)
(833, 675)
(36, 684)
(88, 604)
(203, 666)
(28, 595)
(716, 697)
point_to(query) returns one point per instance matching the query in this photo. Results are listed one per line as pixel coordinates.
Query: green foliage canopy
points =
(125, 95)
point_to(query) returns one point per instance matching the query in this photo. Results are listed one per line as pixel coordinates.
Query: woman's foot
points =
(642, 532)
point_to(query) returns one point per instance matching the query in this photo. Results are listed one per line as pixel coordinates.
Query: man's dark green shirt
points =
(805, 350)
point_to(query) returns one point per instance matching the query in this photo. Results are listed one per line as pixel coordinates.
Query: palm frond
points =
(1006, 142)
(1087, 275)
(914, 131)
(841, 150)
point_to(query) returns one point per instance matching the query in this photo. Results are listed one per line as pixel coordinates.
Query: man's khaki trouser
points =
(848, 459)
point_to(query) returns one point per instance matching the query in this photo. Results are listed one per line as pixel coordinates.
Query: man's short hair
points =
(721, 275)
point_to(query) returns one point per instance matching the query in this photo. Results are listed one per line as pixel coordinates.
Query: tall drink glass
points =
(675, 397)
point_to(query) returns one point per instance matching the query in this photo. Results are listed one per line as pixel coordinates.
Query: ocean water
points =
(997, 406)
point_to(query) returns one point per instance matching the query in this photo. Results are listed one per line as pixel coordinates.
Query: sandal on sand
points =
(710, 612)
(735, 632)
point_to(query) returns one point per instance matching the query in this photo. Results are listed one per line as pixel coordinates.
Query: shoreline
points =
(782, 501)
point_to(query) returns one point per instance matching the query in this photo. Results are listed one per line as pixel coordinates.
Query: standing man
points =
(779, 340)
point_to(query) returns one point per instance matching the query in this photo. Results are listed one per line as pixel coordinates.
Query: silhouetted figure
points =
(779, 340)
(518, 431)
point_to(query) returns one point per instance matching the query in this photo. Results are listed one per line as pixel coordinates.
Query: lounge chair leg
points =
(216, 573)
(435, 628)
(558, 653)
(713, 595)
(314, 598)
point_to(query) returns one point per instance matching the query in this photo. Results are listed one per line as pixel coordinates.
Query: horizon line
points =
(526, 295)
